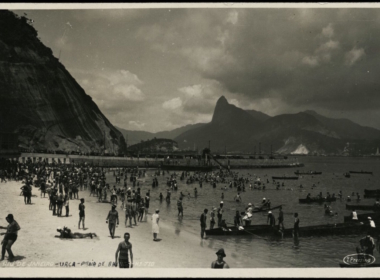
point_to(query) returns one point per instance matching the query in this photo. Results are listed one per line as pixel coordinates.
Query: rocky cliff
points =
(41, 101)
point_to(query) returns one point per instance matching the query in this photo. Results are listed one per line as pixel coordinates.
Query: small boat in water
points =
(362, 207)
(361, 172)
(308, 173)
(266, 230)
(264, 209)
(347, 175)
(363, 217)
(371, 193)
(285, 178)
(316, 200)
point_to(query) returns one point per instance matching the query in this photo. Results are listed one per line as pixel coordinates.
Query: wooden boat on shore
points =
(308, 173)
(362, 207)
(371, 193)
(266, 230)
(361, 172)
(284, 178)
(316, 200)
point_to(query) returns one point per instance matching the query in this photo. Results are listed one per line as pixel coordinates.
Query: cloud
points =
(136, 124)
(328, 31)
(172, 103)
(114, 91)
(310, 60)
(353, 56)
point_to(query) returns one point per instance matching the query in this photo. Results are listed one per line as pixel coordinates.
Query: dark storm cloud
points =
(174, 64)
(325, 58)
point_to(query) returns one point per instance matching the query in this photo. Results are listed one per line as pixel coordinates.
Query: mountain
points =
(41, 102)
(135, 136)
(155, 144)
(258, 115)
(236, 130)
(346, 128)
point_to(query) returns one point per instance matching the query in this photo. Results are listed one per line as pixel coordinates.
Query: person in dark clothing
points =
(367, 245)
(271, 220)
(10, 237)
(203, 220)
(296, 225)
(220, 263)
(81, 213)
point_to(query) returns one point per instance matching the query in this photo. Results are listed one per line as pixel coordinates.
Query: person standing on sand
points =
(203, 220)
(155, 226)
(9, 238)
(180, 207)
(112, 219)
(220, 263)
(81, 213)
(67, 205)
(124, 247)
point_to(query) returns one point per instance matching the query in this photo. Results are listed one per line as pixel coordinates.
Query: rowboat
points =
(248, 230)
(362, 207)
(316, 200)
(363, 217)
(361, 172)
(308, 173)
(371, 191)
(266, 230)
(285, 178)
(264, 209)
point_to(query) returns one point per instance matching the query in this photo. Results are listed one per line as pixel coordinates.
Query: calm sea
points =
(252, 251)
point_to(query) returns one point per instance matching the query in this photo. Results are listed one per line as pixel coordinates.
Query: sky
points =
(159, 69)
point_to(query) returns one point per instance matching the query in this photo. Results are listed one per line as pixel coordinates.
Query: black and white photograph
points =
(189, 136)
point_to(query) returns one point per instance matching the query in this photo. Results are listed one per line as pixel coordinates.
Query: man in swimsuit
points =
(203, 220)
(180, 207)
(220, 263)
(281, 219)
(9, 238)
(112, 219)
(123, 248)
(238, 198)
(81, 213)
(66, 233)
(296, 225)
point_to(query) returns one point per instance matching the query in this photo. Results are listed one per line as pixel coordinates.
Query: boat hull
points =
(304, 200)
(362, 207)
(284, 178)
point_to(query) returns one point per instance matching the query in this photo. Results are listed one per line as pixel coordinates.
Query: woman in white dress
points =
(155, 227)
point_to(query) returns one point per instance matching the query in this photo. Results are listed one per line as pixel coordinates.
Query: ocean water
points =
(253, 251)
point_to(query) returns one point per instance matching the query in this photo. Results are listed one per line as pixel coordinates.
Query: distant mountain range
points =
(236, 130)
(133, 137)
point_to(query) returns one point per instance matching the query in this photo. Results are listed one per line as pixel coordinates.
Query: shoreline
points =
(36, 241)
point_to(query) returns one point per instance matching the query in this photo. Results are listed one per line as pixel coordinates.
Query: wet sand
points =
(36, 241)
